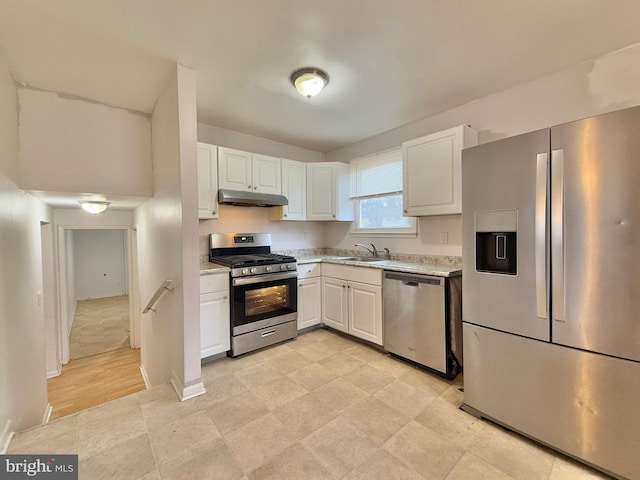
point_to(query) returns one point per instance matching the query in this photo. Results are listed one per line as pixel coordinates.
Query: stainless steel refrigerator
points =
(551, 287)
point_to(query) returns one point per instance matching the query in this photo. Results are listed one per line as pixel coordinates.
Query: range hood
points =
(250, 199)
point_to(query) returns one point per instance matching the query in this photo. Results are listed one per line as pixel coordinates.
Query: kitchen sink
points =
(362, 259)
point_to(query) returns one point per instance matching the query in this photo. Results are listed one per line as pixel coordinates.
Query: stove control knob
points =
(245, 271)
(291, 266)
(253, 270)
(283, 267)
(267, 269)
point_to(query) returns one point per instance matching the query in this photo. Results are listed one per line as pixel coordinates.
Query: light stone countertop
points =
(393, 265)
(208, 268)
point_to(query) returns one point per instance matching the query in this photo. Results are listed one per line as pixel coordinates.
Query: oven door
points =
(263, 301)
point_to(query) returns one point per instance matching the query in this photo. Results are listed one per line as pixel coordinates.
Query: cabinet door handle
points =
(255, 188)
(225, 297)
(249, 187)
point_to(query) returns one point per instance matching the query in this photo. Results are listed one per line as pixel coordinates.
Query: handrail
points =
(166, 285)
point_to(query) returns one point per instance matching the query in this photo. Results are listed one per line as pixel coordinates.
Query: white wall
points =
(188, 135)
(284, 235)
(242, 141)
(76, 217)
(167, 231)
(74, 145)
(604, 84)
(23, 389)
(99, 260)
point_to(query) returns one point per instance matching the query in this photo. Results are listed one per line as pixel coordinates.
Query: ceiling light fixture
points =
(309, 81)
(94, 207)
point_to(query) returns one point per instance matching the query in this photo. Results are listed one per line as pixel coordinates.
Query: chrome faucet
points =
(371, 250)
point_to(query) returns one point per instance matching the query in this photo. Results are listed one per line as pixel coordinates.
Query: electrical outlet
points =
(444, 237)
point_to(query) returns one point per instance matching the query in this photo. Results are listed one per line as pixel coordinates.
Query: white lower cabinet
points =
(309, 295)
(308, 302)
(334, 303)
(214, 314)
(352, 301)
(365, 311)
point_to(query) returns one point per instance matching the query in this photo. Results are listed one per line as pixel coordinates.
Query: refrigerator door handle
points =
(540, 235)
(557, 233)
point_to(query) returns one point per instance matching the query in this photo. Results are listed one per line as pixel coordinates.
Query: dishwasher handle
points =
(414, 280)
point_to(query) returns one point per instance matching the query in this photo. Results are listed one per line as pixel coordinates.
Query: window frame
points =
(356, 230)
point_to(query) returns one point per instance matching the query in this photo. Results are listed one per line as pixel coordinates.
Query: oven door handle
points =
(264, 278)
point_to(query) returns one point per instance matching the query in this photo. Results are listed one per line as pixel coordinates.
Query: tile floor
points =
(319, 407)
(99, 325)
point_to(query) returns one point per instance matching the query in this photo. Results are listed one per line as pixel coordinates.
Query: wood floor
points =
(90, 381)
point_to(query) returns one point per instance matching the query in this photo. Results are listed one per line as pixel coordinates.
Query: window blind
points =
(376, 174)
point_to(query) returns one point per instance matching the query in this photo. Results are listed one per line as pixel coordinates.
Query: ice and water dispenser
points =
(497, 241)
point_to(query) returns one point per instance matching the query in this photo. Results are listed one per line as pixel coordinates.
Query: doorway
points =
(96, 264)
(100, 289)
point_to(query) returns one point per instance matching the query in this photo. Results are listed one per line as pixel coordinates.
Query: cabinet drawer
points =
(372, 276)
(309, 270)
(214, 282)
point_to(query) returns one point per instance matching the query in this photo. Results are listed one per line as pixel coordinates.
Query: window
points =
(376, 186)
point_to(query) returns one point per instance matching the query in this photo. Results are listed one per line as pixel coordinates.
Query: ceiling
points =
(390, 62)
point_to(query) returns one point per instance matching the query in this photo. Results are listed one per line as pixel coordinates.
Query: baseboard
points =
(55, 373)
(5, 438)
(186, 393)
(145, 377)
(47, 414)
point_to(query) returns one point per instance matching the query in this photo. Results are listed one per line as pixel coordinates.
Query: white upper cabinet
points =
(266, 174)
(294, 187)
(207, 181)
(234, 168)
(328, 191)
(432, 172)
(239, 170)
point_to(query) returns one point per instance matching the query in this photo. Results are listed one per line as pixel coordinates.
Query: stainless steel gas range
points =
(263, 290)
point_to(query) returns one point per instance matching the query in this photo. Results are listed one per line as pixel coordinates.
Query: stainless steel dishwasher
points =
(417, 321)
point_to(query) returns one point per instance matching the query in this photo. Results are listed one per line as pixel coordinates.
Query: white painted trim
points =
(145, 377)
(134, 289)
(5, 438)
(47, 414)
(186, 393)
(63, 334)
(55, 373)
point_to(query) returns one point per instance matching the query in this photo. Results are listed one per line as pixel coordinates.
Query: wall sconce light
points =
(94, 207)
(309, 81)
